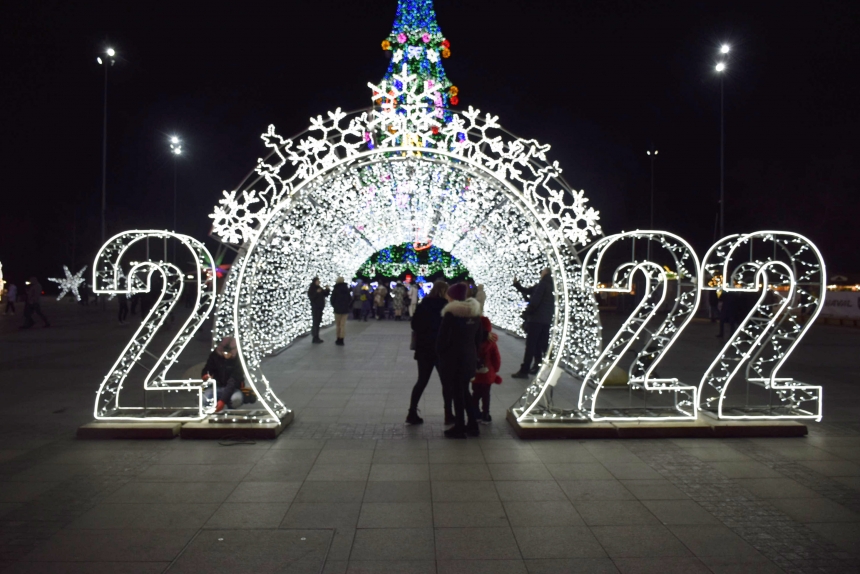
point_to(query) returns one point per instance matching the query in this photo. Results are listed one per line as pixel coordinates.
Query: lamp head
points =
(724, 49)
(721, 67)
(110, 52)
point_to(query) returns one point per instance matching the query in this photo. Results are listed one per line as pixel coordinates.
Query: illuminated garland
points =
(396, 260)
(407, 170)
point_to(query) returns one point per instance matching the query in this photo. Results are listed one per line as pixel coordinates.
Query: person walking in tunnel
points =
(317, 294)
(425, 329)
(341, 300)
(457, 350)
(538, 318)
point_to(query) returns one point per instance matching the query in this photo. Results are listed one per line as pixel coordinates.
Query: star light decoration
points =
(402, 172)
(70, 283)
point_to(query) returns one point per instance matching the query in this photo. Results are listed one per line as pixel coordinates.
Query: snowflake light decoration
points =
(70, 283)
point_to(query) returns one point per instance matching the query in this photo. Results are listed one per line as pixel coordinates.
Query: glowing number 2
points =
(656, 291)
(788, 272)
(108, 278)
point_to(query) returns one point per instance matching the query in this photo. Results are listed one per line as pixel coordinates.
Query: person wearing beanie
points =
(485, 378)
(457, 350)
(341, 301)
(538, 317)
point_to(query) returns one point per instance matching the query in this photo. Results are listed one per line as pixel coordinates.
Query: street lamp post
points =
(721, 68)
(652, 153)
(108, 62)
(176, 150)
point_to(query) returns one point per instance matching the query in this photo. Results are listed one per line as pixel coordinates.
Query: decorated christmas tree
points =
(417, 41)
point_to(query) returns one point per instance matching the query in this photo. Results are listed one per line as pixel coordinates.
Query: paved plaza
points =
(349, 488)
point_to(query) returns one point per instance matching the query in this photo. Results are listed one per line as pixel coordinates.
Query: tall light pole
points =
(176, 150)
(652, 153)
(107, 62)
(721, 68)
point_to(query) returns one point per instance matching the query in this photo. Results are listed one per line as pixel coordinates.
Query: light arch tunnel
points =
(335, 220)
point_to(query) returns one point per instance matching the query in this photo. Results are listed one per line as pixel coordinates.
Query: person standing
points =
(33, 304)
(457, 350)
(486, 377)
(399, 300)
(317, 294)
(356, 300)
(538, 319)
(380, 297)
(341, 301)
(413, 298)
(11, 297)
(366, 302)
(425, 323)
(123, 309)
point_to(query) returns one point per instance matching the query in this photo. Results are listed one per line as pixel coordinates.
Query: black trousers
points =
(29, 310)
(537, 343)
(458, 389)
(10, 305)
(316, 319)
(123, 308)
(481, 394)
(356, 313)
(425, 370)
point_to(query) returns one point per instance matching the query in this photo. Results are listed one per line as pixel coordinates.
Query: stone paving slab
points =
(375, 495)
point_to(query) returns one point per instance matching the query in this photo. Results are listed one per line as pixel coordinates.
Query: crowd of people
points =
(449, 334)
(364, 300)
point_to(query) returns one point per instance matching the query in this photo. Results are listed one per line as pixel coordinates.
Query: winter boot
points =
(412, 418)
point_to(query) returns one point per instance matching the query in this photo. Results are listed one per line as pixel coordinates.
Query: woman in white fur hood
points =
(457, 352)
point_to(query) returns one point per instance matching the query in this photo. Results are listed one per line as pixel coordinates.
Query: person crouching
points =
(223, 366)
(485, 377)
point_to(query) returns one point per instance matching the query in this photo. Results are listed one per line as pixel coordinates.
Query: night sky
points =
(601, 81)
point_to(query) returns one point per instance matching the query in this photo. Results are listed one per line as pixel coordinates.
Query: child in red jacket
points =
(488, 356)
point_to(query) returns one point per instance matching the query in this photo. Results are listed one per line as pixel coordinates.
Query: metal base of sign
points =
(703, 427)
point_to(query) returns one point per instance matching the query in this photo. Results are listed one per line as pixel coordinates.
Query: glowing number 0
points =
(108, 278)
(653, 344)
(788, 271)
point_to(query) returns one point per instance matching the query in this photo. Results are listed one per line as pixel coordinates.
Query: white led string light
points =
(653, 343)
(761, 262)
(395, 174)
(70, 283)
(109, 278)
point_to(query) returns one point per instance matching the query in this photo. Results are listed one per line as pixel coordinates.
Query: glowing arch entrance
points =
(404, 171)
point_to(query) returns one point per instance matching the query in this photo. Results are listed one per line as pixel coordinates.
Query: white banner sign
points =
(842, 305)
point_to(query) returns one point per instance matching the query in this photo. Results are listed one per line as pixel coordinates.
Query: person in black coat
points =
(223, 366)
(341, 302)
(317, 294)
(538, 316)
(457, 345)
(425, 328)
